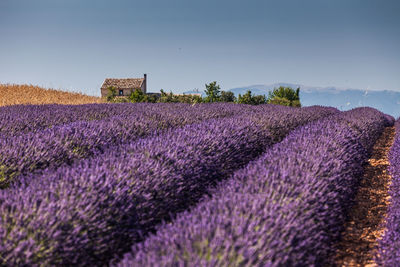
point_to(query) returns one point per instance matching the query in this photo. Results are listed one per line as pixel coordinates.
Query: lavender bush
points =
(284, 209)
(87, 213)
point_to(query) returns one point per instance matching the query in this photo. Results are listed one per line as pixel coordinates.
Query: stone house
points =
(124, 87)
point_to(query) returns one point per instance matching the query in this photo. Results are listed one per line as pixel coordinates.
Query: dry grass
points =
(13, 94)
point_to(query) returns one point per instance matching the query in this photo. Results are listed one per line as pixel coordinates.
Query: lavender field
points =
(185, 185)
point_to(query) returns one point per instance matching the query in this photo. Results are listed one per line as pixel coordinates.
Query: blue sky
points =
(181, 44)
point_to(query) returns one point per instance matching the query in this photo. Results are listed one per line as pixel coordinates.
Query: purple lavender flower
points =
(96, 208)
(285, 209)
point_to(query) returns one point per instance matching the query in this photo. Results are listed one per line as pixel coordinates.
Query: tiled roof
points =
(128, 83)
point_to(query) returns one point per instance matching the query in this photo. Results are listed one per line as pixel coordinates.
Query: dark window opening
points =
(121, 92)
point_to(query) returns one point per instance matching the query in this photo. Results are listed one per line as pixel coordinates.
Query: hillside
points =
(13, 94)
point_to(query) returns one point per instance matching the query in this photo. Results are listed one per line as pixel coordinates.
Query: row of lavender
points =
(63, 144)
(95, 209)
(285, 209)
(388, 247)
(21, 119)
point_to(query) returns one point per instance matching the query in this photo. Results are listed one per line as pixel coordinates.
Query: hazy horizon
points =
(74, 45)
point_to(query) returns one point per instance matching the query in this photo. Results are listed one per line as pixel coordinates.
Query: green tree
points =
(112, 93)
(227, 96)
(250, 99)
(246, 98)
(259, 99)
(213, 92)
(279, 101)
(137, 96)
(285, 96)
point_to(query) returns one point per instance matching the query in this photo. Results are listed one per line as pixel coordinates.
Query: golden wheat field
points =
(14, 94)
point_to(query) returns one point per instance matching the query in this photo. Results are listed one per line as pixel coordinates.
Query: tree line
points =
(285, 96)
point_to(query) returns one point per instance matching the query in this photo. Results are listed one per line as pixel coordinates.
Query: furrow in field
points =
(366, 217)
(388, 253)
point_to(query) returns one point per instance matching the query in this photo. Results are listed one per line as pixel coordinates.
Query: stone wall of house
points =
(127, 92)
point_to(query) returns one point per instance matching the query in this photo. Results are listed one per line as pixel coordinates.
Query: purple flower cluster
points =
(50, 148)
(22, 119)
(95, 209)
(284, 209)
(388, 247)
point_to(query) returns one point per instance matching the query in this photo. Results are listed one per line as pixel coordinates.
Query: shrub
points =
(248, 98)
(227, 96)
(285, 96)
(112, 93)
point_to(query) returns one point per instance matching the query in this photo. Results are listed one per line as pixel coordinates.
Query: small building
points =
(124, 87)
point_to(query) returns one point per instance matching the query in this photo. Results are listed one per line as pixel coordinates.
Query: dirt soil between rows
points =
(366, 217)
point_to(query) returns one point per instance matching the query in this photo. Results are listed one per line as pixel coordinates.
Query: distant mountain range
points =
(343, 99)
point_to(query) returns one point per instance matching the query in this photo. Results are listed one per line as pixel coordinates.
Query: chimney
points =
(145, 83)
